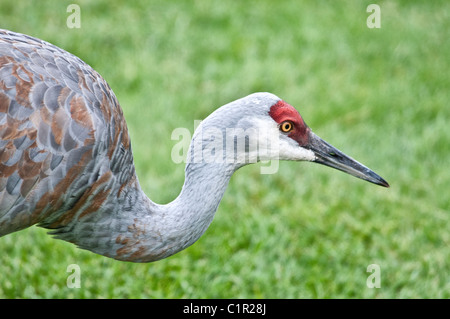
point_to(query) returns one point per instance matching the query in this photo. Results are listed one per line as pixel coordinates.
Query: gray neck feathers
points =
(211, 162)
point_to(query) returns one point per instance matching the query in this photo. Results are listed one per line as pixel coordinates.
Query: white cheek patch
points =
(273, 145)
(292, 151)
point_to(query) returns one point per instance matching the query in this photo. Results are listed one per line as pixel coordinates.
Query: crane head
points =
(298, 142)
(281, 134)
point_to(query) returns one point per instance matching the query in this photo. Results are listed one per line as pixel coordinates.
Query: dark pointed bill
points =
(327, 154)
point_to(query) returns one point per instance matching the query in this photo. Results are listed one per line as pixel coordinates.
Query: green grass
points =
(379, 95)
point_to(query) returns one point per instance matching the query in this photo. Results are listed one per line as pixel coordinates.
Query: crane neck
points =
(194, 208)
(157, 231)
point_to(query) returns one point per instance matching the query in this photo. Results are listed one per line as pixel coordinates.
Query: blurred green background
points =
(379, 95)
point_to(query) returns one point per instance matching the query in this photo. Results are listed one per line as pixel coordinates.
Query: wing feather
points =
(60, 123)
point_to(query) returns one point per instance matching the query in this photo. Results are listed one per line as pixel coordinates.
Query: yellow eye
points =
(286, 126)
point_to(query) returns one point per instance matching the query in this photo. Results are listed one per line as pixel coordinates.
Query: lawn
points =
(381, 95)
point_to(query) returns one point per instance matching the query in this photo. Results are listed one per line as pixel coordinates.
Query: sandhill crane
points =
(66, 162)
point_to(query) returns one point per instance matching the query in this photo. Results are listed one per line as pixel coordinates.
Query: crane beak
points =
(328, 155)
